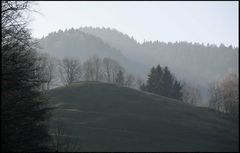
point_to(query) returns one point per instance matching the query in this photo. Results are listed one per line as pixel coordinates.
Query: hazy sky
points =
(207, 22)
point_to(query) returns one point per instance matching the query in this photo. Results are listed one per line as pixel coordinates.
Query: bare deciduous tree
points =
(191, 94)
(92, 69)
(24, 108)
(97, 63)
(216, 99)
(110, 69)
(224, 94)
(139, 83)
(120, 79)
(229, 88)
(88, 71)
(129, 80)
(70, 70)
(107, 62)
(48, 70)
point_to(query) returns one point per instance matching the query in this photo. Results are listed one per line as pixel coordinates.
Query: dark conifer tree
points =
(24, 110)
(151, 82)
(167, 83)
(162, 82)
(177, 90)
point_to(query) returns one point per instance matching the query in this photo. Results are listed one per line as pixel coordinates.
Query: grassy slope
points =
(110, 118)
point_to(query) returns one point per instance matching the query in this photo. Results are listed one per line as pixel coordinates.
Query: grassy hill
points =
(110, 118)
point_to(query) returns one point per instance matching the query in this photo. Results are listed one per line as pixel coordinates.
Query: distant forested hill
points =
(75, 43)
(192, 62)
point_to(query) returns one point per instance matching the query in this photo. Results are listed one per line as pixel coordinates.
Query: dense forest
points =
(186, 59)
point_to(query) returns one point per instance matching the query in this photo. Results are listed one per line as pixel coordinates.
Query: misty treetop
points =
(57, 72)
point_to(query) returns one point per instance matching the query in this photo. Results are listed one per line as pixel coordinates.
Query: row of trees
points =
(70, 70)
(160, 80)
(224, 94)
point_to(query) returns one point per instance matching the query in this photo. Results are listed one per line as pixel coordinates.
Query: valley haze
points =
(112, 76)
(194, 63)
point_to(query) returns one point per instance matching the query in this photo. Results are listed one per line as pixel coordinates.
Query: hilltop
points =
(106, 117)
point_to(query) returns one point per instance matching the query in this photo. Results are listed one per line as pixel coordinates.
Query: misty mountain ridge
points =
(185, 59)
(194, 63)
(75, 43)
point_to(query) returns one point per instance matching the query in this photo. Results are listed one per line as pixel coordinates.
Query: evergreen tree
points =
(162, 82)
(154, 80)
(159, 79)
(151, 82)
(177, 90)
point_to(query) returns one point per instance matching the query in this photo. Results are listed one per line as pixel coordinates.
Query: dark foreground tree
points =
(162, 82)
(24, 110)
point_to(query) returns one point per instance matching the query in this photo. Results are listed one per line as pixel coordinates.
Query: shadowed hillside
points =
(110, 118)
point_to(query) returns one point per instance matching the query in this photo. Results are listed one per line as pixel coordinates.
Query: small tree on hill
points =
(70, 70)
(154, 80)
(129, 80)
(120, 78)
(224, 95)
(177, 90)
(191, 94)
